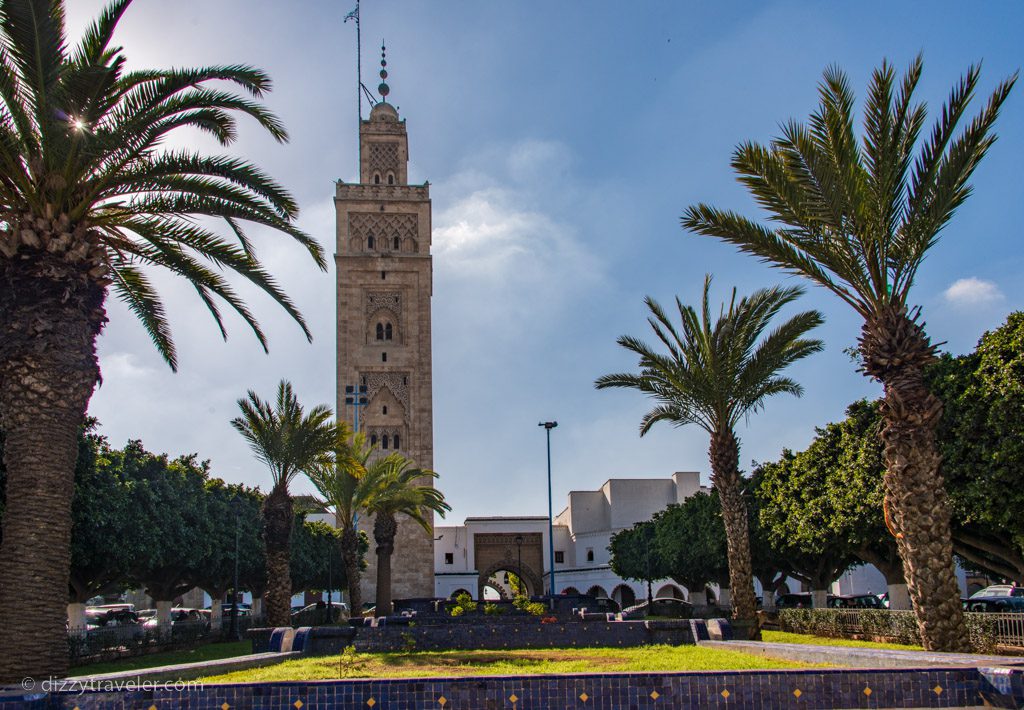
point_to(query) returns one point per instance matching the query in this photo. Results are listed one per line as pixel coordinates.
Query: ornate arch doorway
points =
(501, 577)
(520, 554)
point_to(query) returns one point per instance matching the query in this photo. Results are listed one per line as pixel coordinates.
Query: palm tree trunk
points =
(48, 369)
(277, 532)
(896, 350)
(725, 475)
(350, 554)
(385, 527)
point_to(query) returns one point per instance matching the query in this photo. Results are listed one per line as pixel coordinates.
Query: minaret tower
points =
(384, 290)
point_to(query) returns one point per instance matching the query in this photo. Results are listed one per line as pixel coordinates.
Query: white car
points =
(999, 590)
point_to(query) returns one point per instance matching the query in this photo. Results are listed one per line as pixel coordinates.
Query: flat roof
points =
(509, 517)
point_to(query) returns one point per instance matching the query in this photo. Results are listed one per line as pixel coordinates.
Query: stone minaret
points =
(384, 289)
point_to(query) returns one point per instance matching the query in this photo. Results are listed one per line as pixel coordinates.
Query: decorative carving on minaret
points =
(384, 157)
(383, 227)
(383, 300)
(395, 382)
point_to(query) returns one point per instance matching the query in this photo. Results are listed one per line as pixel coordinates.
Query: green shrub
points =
(886, 624)
(466, 602)
(456, 611)
(492, 609)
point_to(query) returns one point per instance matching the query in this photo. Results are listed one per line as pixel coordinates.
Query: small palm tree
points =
(347, 484)
(857, 218)
(289, 441)
(398, 489)
(715, 374)
(92, 203)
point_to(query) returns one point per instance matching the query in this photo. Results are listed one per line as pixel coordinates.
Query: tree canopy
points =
(982, 443)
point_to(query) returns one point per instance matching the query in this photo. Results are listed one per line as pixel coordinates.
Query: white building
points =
(477, 556)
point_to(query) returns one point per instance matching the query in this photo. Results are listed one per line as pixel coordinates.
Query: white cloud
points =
(972, 292)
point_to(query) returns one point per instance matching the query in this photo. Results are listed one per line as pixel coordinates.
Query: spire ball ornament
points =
(383, 89)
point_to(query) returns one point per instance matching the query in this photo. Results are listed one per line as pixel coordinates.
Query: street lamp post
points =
(548, 426)
(519, 549)
(234, 589)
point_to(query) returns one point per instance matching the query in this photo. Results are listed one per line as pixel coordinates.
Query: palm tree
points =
(716, 373)
(399, 489)
(347, 484)
(90, 203)
(289, 441)
(857, 218)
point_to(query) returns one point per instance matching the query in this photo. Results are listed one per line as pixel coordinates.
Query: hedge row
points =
(883, 624)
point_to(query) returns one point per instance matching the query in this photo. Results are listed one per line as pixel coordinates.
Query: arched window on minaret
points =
(370, 242)
(391, 178)
(380, 331)
(376, 178)
(373, 439)
(388, 332)
(396, 441)
(384, 442)
(397, 243)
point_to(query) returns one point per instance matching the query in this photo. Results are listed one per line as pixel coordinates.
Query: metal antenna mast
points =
(354, 15)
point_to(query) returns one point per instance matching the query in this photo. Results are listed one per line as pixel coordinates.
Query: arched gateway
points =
(518, 553)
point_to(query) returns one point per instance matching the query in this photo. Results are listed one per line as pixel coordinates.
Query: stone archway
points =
(498, 551)
(530, 578)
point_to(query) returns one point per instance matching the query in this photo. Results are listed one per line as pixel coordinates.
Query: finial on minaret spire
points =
(383, 89)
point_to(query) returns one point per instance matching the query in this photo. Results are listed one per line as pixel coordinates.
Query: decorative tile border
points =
(744, 690)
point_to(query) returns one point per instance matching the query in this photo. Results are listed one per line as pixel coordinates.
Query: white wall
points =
(588, 511)
(634, 500)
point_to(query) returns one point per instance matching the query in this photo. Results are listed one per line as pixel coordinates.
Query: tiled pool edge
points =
(806, 688)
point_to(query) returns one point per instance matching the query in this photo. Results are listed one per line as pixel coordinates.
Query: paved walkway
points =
(861, 657)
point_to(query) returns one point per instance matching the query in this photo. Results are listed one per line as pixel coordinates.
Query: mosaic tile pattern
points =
(890, 688)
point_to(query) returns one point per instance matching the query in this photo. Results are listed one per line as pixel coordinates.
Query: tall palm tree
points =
(91, 203)
(289, 441)
(714, 374)
(400, 489)
(348, 484)
(857, 218)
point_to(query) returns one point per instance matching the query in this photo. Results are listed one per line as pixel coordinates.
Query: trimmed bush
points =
(880, 624)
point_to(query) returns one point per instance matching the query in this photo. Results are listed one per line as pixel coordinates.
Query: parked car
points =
(855, 601)
(181, 616)
(243, 610)
(317, 614)
(670, 607)
(799, 600)
(994, 604)
(113, 625)
(999, 590)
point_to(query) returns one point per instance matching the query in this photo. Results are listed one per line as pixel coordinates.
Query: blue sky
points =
(562, 142)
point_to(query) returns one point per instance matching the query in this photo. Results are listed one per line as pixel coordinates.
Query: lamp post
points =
(548, 426)
(234, 589)
(519, 550)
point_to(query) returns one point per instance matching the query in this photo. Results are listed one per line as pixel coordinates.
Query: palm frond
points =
(856, 215)
(284, 436)
(82, 139)
(135, 290)
(717, 370)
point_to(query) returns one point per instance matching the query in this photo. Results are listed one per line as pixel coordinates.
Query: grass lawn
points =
(787, 637)
(524, 662)
(206, 652)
